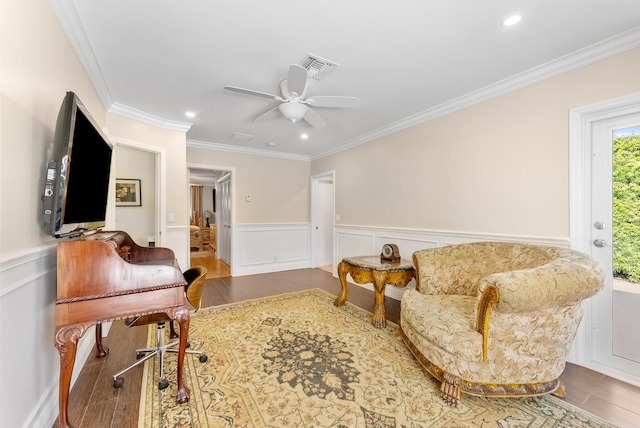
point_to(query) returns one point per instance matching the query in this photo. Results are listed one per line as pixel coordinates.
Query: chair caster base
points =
(163, 384)
(203, 358)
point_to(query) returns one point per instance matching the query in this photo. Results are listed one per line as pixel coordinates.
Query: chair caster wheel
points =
(163, 384)
(203, 358)
(188, 345)
(118, 382)
(139, 355)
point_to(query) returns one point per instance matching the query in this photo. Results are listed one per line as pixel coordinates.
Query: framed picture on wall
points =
(128, 192)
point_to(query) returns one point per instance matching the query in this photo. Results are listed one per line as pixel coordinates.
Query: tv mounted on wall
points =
(77, 183)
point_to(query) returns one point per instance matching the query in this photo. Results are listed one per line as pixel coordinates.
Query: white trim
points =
(232, 172)
(141, 116)
(583, 57)
(68, 17)
(246, 150)
(161, 182)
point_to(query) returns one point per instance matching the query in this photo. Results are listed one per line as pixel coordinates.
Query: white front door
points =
(616, 330)
(608, 339)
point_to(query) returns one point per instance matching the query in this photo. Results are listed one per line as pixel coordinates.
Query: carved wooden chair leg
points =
(449, 390)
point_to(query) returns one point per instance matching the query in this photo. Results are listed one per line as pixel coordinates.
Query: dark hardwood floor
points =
(95, 403)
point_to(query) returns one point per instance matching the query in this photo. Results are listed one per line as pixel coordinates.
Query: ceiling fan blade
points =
(266, 115)
(333, 101)
(252, 92)
(297, 79)
(284, 90)
(314, 119)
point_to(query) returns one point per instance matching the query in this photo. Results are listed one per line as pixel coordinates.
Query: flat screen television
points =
(77, 183)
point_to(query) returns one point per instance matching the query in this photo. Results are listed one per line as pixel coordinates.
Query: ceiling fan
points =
(293, 104)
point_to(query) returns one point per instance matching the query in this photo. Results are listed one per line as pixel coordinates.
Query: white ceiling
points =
(407, 60)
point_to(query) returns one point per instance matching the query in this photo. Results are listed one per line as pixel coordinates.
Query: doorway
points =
(603, 226)
(209, 242)
(323, 220)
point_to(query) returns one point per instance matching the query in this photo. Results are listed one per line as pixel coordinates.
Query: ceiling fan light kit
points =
(293, 103)
(293, 110)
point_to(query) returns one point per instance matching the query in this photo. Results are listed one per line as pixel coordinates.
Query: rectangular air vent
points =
(317, 67)
(242, 137)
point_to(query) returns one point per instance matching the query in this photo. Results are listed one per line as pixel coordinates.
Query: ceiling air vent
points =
(317, 67)
(242, 137)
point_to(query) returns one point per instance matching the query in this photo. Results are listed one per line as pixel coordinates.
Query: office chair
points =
(193, 293)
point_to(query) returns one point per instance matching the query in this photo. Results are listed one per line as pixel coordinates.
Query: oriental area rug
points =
(296, 360)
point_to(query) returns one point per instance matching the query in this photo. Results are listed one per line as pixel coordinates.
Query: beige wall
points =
(279, 188)
(499, 167)
(174, 143)
(38, 66)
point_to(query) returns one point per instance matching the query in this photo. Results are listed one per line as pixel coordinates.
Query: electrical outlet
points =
(247, 198)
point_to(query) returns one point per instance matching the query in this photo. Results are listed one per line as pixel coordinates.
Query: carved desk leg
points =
(66, 341)
(379, 310)
(181, 315)
(101, 351)
(343, 269)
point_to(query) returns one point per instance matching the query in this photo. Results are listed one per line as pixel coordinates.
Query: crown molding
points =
(247, 151)
(68, 18)
(141, 116)
(583, 57)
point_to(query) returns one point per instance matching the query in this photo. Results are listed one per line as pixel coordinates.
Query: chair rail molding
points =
(360, 240)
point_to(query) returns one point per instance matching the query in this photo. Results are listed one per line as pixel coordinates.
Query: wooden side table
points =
(369, 269)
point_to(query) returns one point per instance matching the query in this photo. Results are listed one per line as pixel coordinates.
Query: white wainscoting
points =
(263, 248)
(352, 240)
(29, 361)
(177, 238)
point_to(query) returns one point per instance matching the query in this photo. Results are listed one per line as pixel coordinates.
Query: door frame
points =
(232, 172)
(160, 185)
(314, 207)
(581, 120)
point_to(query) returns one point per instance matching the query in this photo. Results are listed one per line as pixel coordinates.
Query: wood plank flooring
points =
(95, 403)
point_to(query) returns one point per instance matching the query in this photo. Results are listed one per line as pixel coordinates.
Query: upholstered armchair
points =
(496, 319)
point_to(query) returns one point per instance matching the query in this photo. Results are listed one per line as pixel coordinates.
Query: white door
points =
(615, 326)
(322, 219)
(223, 213)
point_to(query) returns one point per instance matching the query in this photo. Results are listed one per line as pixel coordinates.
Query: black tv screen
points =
(77, 188)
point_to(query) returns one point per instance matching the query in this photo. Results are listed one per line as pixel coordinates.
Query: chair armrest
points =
(563, 281)
(488, 298)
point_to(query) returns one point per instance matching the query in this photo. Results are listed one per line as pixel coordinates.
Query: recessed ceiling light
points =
(271, 144)
(304, 136)
(190, 114)
(512, 20)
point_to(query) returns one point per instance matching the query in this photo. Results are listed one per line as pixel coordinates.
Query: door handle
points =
(600, 243)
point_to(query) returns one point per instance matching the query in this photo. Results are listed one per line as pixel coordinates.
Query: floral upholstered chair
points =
(496, 319)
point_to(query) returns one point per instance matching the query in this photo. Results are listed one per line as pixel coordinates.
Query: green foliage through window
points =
(626, 207)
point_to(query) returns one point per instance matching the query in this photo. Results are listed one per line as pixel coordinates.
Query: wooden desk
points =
(369, 269)
(107, 277)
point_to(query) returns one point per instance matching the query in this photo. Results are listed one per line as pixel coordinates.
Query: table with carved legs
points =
(369, 269)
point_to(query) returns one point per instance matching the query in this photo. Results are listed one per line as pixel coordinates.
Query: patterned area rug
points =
(296, 360)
